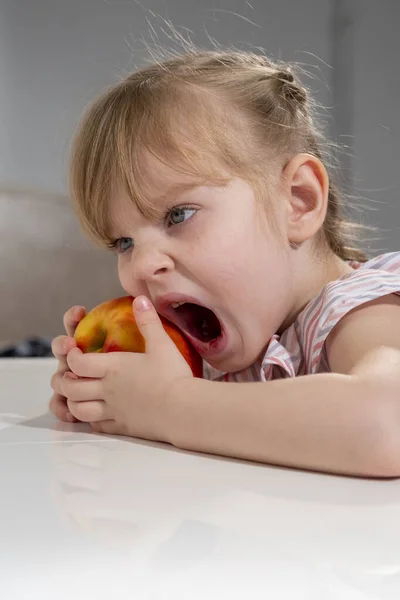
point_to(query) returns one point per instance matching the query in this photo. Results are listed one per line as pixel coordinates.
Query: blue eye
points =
(179, 215)
(123, 244)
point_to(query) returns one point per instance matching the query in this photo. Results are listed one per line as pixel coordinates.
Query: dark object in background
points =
(32, 347)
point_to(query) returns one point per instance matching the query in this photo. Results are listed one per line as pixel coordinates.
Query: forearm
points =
(326, 422)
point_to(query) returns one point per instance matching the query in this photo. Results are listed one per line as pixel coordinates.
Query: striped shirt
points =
(300, 350)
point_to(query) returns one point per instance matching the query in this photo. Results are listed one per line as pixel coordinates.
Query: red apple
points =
(111, 327)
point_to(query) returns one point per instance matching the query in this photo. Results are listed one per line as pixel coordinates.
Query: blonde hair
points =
(199, 112)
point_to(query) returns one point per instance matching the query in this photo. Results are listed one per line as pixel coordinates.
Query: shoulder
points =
(371, 315)
(365, 294)
(367, 327)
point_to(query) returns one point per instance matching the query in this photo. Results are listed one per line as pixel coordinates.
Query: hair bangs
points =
(186, 136)
(190, 131)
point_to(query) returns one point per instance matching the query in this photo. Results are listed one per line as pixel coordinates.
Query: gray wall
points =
(55, 55)
(376, 117)
(59, 54)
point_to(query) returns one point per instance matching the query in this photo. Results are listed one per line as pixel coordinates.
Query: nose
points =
(149, 263)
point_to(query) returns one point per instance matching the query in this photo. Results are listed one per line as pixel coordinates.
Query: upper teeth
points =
(176, 304)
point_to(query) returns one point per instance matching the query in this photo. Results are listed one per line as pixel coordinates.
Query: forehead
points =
(159, 183)
(161, 179)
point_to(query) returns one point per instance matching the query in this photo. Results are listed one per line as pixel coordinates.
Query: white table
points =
(86, 516)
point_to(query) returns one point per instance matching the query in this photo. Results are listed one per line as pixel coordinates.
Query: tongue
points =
(198, 321)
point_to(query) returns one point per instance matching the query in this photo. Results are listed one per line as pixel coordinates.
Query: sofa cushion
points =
(47, 264)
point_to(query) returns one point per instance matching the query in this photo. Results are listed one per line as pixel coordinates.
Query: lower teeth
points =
(204, 329)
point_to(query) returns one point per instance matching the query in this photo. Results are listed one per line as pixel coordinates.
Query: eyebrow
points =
(161, 201)
(174, 190)
(164, 198)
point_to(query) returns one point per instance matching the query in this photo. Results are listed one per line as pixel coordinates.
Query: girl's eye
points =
(123, 244)
(180, 215)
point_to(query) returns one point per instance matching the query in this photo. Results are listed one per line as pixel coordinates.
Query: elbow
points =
(385, 462)
(386, 457)
(384, 440)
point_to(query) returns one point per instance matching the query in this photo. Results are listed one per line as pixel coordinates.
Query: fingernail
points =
(77, 310)
(142, 304)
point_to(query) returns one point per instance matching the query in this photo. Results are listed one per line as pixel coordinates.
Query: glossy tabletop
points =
(85, 516)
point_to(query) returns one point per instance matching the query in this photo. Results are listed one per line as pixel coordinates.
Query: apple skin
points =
(111, 327)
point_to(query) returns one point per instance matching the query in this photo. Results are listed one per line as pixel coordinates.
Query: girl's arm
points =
(345, 423)
(327, 422)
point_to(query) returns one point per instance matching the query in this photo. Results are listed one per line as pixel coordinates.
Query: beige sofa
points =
(46, 265)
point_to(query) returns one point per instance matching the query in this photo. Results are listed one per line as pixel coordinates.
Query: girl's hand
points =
(60, 346)
(128, 393)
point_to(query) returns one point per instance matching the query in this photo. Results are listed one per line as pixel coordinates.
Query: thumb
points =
(149, 323)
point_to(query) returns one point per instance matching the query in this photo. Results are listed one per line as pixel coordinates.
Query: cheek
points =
(123, 276)
(226, 269)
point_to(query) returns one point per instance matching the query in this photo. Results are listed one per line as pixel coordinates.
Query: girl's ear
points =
(306, 187)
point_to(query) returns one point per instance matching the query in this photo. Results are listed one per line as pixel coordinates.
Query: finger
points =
(94, 365)
(61, 345)
(81, 389)
(149, 323)
(58, 406)
(58, 401)
(90, 411)
(56, 382)
(72, 318)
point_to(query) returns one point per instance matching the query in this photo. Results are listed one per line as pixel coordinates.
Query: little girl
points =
(205, 175)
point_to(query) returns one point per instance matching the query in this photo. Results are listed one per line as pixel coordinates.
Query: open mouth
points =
(197, 321)
(201, 325)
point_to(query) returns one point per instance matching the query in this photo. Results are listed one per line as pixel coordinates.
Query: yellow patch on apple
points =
(111, 327)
